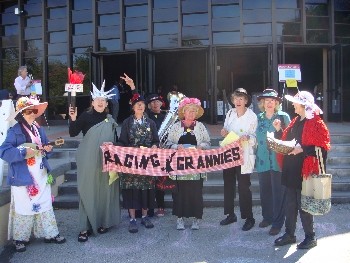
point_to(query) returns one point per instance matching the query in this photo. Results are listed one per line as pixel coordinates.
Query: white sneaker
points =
(195, 225)
(180, 224)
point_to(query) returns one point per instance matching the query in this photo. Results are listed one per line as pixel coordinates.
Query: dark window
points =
(165, 28)
(36, 44)
(34, 21)
(57, 25)
(55, 13)
(250, 30)
(164, 15)
(316, 10)
(195, 19)
(342, 21)
(136, 11)
(196, 32)
(108, 32)
(226, 38)
(109, 20)
(81, 16)
(164, 3)
(194, 6)
(82, 29)
(8, 19)
(33, 9)
(10, 41)
(108, 7)
(110, 44)
(252, 16)
(195, 42)
(10, 30)
(58, 37)
(163, 41)
(317, 36)
(225, 11)
(317, 22)
(55, 3)
(32, 33)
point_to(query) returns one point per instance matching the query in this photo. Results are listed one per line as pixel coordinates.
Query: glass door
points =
(145, 77)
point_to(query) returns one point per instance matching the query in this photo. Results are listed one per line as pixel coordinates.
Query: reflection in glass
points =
(317, 22)
(82, 41)
(82, 29)
(257, 30)
(33, 45)
(136, 11)
(10, 30)
(163, 41)
(109, 20)
(81, 16)
(317, 36)
(226, 24)
(136, 23)
(34, 21)
(195, 42)
(198, 32)
(81, 4)
(57, 25)
(165, 28)
(316, 10)
(55, 13)
(287, 3)
(252, 16)
(57, 37)
(288, 28)
(194, 6)
(136, 36)
(257, 40)
(55, 49)
(164, 3)
(226, 38)
(195, 19)
(32, 33)
(109, 44)
(109, 7)
(108, 32)
(225, 11)
(288, 15)
(253, 4)
(164, 15)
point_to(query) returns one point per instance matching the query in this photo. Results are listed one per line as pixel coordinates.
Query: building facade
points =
(207, 48)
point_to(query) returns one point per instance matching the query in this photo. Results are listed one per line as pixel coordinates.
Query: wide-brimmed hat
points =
(26, 103)
(185, 102)
(136, 98)
(269, 93)
(307, 99)
(241, 92)
(154, 96)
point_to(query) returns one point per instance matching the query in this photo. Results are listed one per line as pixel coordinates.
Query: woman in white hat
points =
(242, 121)
(188, 197)
(25, 149)
(272, 193)
(309, 130)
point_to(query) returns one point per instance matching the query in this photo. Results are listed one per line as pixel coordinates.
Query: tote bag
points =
(317, 190)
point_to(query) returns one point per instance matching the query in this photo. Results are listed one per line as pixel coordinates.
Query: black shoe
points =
(309, 242)
(286, 239)
(229, 220)
(20, 246)
(57, 239)
(102, 230)
(274, 231)
(249, 223)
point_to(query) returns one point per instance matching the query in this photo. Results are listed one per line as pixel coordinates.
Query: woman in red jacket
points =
(309, 130)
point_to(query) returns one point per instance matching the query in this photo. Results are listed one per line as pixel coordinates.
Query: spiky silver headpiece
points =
(96, 93)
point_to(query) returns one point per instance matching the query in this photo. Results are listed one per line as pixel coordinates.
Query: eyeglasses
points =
(28, 112)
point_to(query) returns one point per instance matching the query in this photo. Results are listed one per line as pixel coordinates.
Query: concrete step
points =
(340, 138)
(339, 170)
(66, 201)
(340, 148)
(338, 160)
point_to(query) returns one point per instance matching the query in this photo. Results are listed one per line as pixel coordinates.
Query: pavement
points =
(212, 243)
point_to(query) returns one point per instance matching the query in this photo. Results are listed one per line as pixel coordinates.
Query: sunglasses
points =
(28, 112)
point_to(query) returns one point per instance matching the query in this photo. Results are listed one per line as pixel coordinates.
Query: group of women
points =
(279, 178)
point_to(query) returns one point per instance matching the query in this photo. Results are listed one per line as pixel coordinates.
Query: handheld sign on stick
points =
(75, 85)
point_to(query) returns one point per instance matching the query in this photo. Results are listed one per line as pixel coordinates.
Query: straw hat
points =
(26, 103)
(194, 102)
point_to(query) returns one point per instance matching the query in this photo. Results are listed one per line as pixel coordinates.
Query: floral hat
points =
(269, 93)
(307, 99)
(190, 102)
(25, 103)
(136, 98)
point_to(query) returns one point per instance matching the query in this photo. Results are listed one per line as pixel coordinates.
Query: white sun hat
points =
(305, 98)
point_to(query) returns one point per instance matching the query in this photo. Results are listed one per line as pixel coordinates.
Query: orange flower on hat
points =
(31, 161)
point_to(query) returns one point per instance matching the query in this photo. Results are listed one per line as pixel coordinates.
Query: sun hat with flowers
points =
(307, 99)
(194, 102)
(28, 103)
